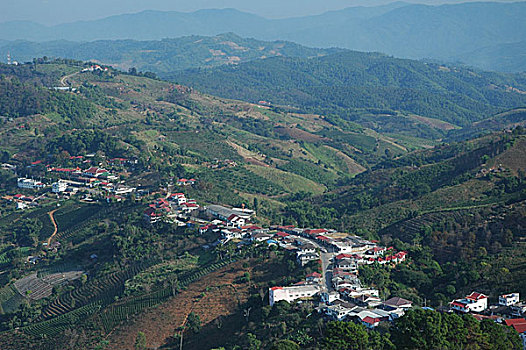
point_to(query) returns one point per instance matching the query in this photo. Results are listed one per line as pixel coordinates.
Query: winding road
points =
(64, 79)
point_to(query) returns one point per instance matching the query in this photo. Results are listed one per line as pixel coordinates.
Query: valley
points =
(141, 210)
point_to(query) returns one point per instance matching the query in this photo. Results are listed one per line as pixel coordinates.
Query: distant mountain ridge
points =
(165, 55)
(445, 32)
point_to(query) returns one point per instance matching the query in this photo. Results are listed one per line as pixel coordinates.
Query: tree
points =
(140, 341)
(253, 342)
(345, 336)
(284, 345)
(194, 322)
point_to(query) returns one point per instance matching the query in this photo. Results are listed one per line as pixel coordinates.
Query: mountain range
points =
(163, 56)
(445, 32)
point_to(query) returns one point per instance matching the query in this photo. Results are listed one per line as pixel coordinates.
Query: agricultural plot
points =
(55, 326)
(103, 290)
(6, 294)
(115, 314)
(36, 288)
(10, 299)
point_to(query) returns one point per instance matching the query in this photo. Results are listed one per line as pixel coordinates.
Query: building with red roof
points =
(315, 232)
(475, 302)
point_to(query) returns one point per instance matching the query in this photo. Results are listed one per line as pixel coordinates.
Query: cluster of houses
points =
(171, 209)
(31, 184)
(22, 201)
(361, 308)
(89, 175)
(509, 310)
(349, 300)
(186, 182)
(71, 180)
(95, 68)
(219, 164)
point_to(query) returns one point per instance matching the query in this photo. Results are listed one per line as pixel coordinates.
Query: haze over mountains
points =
(472, 33)
(164, 56)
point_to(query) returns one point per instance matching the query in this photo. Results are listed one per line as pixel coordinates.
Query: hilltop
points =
(444, 32)
(163, 56)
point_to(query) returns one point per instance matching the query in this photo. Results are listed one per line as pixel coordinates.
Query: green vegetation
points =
(457, 208)
(351, 83)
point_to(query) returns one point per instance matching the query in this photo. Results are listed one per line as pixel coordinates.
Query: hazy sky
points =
(61, 11)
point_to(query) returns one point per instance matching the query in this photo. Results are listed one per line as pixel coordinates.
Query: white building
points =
(59, 187)
(29, 183)
(293, 293)
(509, 299)
(475, 302)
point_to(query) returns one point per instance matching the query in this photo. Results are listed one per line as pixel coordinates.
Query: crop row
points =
(52, 327)
(115, 314)
(63, 317)
(104, 289)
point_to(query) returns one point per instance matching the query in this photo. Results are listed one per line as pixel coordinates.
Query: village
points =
(335, 290)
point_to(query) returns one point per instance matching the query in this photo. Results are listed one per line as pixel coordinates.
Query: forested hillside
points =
(165, 55)
(345, 84)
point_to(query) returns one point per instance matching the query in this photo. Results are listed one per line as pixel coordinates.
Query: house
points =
(346, 264)
(223, 213)
(518, 309)
(304, 259)
(314, 232)
(370, 318)
(59, 186)
(400, 256)
(260, 236)
(371, 322)
(22, 182)
(338, 310)
(367, 300)
(509, 299)
(152, 216)
(376, 251)
(121, 189)
(178, 198)
(293, 293)
(232, 233)
(94, 172)
(281, 235)
(398, 302)
(519, 324)
(236, 220)
(307, 249)
(189, 207)
(475, 302)
(314, 277)
(7, 166)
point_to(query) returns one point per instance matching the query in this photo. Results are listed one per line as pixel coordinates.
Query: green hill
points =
(362, 87)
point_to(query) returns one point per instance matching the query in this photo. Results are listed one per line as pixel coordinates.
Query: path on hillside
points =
(64, 79)
(54, 224)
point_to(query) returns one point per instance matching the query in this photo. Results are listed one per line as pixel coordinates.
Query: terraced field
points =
(210, 297)
(36, 288)
(103, 290)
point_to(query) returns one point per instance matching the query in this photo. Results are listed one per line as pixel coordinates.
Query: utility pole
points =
(181, 342)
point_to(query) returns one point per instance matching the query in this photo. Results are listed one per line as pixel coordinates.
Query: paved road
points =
(326, 264)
